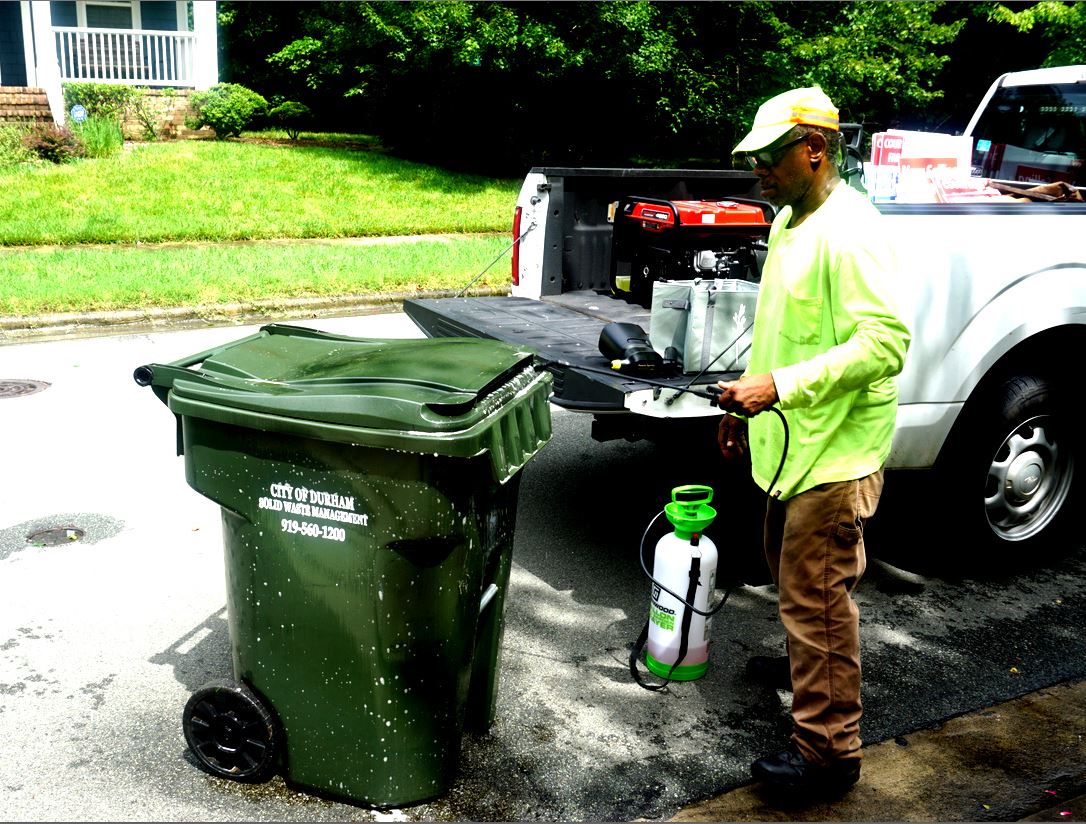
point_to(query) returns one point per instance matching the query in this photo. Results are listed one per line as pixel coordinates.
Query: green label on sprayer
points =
(662, 619)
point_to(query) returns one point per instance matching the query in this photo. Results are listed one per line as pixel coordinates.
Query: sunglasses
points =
(768, 158)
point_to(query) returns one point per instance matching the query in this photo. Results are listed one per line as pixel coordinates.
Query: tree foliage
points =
(1062, 25)
(896, 49)
(501, 85)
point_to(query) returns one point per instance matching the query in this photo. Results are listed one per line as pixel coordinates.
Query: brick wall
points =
(170, 107)
(23, 104)
(20, 104)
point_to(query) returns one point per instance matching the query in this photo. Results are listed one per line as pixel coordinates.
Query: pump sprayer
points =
(685, 560)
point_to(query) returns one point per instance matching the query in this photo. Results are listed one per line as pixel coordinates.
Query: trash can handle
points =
(488, 596)
(166, 374)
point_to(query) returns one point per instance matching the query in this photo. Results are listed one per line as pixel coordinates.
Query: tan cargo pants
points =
(815, 550)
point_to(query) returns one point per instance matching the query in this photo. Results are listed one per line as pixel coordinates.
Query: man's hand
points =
(732, 437)
(748, 395)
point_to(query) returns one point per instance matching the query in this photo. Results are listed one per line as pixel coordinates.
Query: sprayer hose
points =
(644, 537)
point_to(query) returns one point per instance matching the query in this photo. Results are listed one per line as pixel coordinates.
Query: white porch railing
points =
(135, 56)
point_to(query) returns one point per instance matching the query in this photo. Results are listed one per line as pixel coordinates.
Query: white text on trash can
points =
(312, 503)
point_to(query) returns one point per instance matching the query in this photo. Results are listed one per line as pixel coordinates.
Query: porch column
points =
(205, 68)
(28, 41)
(46, 67)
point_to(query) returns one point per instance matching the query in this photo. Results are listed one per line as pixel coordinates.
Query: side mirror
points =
(852, 164)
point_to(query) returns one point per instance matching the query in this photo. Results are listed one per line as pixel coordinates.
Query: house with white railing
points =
(157, 44)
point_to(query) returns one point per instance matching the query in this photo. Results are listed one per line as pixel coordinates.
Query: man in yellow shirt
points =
(827, 344)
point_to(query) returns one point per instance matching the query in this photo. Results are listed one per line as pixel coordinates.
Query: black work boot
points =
(789, 770)
(771, 671)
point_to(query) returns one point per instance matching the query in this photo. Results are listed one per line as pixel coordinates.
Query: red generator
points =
(659, 240)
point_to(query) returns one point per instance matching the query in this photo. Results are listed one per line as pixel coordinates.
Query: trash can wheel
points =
(231, 733)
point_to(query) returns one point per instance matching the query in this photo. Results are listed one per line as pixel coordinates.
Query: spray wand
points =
(712, 393)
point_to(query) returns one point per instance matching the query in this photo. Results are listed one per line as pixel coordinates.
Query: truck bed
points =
(564, 328)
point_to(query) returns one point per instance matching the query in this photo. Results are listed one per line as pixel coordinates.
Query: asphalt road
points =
(104, 638)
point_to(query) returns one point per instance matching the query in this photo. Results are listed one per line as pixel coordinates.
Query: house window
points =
(108, 14)
(97, 52)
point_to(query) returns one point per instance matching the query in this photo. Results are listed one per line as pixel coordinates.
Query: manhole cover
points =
(55, 536)
(18, 388)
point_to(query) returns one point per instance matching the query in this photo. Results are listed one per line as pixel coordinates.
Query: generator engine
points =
(663, 240)
(739, 262)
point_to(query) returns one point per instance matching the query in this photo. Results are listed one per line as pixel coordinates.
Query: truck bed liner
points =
(562, 328)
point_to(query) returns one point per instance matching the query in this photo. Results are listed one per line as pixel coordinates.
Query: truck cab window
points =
(1033, 134)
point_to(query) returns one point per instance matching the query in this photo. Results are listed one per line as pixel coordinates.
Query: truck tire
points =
(1011, 473)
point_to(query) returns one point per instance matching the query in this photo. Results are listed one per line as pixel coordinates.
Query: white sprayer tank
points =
(689, 513)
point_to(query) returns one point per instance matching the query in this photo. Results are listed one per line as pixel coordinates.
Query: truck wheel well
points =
(1050, 354)
(1006, 473)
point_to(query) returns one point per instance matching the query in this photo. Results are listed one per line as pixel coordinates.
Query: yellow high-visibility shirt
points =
(828, 329)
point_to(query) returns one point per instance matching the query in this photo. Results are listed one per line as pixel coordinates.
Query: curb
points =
(90, 324)
(1021, 760)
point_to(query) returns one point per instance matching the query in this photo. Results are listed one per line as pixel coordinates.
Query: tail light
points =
(516, 247)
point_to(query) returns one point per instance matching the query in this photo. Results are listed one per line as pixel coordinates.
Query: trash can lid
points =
(402, 384)
(438, 395)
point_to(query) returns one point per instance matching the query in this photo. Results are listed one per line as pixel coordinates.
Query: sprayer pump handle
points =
(692, 494)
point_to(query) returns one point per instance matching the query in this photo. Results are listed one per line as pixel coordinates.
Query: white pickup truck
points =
(994, 293)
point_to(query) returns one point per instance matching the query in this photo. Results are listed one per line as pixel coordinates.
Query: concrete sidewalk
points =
(1024, 760)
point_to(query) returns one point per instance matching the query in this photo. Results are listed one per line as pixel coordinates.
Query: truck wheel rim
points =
(1028, 480)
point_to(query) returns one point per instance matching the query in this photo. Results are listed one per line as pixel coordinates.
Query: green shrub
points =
(107, 101)
(13, 151)
(292, 116)
(227, 108)
(57, 144)
(102, 100)
(101, 136)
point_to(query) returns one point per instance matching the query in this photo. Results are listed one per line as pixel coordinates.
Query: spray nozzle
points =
(689, 510)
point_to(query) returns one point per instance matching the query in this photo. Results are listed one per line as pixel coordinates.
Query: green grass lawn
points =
(97, 279)
(219, 190)
(208, 191)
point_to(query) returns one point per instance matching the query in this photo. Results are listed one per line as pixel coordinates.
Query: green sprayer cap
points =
(689, 510)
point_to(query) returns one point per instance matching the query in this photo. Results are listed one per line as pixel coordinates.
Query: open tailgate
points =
(563, 328)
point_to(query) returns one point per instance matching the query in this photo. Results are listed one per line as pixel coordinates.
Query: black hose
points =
(674, 595)
(709, 365)
(645, 535)
(708, 392)
(784, 452)
(638, 645)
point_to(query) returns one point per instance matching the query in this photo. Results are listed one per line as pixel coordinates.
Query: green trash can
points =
(368, 492)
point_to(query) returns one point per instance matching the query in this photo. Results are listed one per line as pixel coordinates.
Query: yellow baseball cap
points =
(809, 106)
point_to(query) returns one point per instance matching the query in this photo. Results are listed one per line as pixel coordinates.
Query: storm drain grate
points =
(55, 536)
(19, 388)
